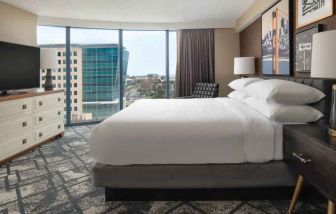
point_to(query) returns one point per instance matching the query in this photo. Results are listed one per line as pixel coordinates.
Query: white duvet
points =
(186, 131)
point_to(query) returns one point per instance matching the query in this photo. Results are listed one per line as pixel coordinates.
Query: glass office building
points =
(101, 79)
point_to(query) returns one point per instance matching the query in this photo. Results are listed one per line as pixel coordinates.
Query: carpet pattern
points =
(56, 179)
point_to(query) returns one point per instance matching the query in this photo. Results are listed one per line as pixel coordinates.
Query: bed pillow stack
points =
(239, 87)
(284, 101)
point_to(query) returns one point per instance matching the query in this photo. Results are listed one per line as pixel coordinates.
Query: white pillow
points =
(238, 95)
(285, 113)
(240, 84)
(284, 92)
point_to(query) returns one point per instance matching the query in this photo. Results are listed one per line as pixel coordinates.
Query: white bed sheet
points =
(186, 131)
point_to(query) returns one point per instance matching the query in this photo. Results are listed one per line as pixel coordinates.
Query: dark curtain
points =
(195, 60)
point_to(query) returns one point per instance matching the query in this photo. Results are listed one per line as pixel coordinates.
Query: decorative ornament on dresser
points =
(276, 39)
(324, 66)
(310, 11)
(48, 62)
(304, 46)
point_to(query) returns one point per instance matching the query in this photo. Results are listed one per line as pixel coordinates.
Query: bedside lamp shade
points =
(48, 58)
(324, 66)
(244, 65)
(324, 55)
(48, 61)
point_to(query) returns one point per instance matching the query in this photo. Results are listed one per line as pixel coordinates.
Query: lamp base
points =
(48, 86)
(332, 132)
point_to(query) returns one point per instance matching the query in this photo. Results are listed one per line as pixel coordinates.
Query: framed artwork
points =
(310, 11)
(303, 50)
(276, 39)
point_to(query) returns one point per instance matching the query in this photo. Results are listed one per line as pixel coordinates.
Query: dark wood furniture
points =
(311, 153)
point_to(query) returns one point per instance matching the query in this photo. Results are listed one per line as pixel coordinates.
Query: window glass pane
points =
(145, 77)
(53, 37)
(96, 74)
(172, 61)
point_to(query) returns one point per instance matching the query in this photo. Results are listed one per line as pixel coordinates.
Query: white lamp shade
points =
(48, 58)
(324, 55)
(244, 65)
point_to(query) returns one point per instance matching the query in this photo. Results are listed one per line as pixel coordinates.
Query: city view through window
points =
(95, 73)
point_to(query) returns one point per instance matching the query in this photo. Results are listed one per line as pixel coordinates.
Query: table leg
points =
(331, 207)
(296, 194)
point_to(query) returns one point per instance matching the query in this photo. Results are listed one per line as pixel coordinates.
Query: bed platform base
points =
(201, 182)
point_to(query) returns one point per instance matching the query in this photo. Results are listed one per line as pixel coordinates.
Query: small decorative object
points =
(276, 42)
(310, 11)
(49, 62)
(304, 45)
(244, 66)
(324, 66)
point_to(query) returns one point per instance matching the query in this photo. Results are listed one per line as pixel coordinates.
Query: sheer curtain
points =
(195, 59)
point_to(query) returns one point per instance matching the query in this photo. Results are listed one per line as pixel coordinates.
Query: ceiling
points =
(210, 12)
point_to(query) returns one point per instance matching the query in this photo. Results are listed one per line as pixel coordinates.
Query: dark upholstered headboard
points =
(323, 85)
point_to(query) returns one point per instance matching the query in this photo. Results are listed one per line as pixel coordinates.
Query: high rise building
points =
(94, 79)
(101, 79)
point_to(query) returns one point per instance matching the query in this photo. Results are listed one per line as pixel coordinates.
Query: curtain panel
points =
(195, 60)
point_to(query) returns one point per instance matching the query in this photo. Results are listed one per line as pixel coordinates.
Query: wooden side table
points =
(311, 153)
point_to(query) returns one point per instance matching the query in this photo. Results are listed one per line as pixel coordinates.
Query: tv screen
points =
(19, 66)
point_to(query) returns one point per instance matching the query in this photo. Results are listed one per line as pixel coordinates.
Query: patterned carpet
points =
(56, 179)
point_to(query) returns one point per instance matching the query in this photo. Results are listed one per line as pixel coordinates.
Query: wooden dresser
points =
(28, 120)
(311, 152)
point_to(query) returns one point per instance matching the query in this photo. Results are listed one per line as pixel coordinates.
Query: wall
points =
(250, 42)
(226, 48)
(17, 26)
(250, 38)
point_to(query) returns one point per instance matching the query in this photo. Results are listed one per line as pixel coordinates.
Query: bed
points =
(165, 145)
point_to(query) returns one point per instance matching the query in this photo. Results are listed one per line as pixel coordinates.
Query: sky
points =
(146, 48)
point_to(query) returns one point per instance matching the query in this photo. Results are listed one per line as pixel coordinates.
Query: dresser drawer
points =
(47, 116)
(15, 108)
(8, 127)
(15, 144)
(315, 162)
(47, 102)
(52, 129)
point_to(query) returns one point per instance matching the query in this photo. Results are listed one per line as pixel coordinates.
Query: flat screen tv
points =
(19, 67)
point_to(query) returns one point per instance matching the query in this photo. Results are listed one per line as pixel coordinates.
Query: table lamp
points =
(48, 61)
(324, 66)
(244, 66)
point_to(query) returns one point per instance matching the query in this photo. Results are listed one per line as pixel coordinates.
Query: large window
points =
(89, 64)
(146, 73)
(95, 74)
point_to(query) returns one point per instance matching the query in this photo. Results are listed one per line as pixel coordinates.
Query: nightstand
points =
(311, 153)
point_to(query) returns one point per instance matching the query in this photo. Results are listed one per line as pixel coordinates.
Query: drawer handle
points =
(40, 103)
(24, 106)
(24, 141)
(59, 126)
(59, 112)
(40, 119)
(59, 99)
(40, 134)
(24, 124)
(301, 158)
